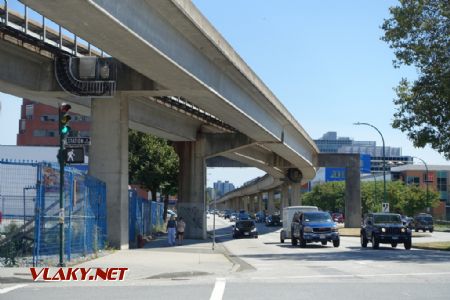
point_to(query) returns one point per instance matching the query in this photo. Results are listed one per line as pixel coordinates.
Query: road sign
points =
(74, 155)
(385, 207)
(78, 140)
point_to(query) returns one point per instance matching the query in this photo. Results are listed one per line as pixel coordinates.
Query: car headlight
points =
(237, 229)
(254, 229)
(383, 229)
(307, 229)
(403, 230)
(334, 228)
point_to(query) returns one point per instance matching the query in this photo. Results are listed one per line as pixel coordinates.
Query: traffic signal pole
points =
(64, 129)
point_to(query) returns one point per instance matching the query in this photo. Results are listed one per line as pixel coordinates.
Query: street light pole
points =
(375, 187)
(426, 180)
(384, 157)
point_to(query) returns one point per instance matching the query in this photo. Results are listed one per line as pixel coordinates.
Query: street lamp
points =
(426, 179)
(384, 157)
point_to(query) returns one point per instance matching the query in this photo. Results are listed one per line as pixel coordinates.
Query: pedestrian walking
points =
(181, 225)
(171, 230)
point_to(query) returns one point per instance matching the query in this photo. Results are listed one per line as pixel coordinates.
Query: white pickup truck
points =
(288, 214)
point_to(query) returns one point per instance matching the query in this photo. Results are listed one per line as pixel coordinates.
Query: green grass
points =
(445, 246)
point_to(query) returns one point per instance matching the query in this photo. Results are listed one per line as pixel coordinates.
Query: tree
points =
(403, 199)
(419, 33)
(153, 164)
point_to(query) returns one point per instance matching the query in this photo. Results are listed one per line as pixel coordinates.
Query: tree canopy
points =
(405, 199)
(153, 163)
(419, 33)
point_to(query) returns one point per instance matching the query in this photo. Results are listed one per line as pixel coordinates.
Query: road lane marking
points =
(219, 288)
(11, 288)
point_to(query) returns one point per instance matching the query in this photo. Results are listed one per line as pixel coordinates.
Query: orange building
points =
(438, 180)
(38, 125)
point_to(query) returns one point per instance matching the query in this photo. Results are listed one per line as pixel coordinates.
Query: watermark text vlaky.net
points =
(78, 274)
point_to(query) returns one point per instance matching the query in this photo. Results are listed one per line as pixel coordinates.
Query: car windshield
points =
(317, 217)
(245, 224)
(381, 219)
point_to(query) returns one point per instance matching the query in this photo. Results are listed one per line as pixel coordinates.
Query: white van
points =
(288, 214)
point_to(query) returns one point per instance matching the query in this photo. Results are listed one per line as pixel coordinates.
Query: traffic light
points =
(64, 119)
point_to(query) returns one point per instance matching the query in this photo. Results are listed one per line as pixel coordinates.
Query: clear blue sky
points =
(324, 60)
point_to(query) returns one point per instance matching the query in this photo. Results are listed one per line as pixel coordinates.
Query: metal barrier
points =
(145, 217)
(29, 199)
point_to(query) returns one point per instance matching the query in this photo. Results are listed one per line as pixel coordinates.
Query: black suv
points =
(385, 228)
(314, 226)
(245, 228)
(423, 222)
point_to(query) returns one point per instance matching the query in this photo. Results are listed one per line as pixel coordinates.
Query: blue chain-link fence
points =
(145, 217)
(29, 199)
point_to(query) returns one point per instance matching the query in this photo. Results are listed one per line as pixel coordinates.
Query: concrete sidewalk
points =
(158, 260)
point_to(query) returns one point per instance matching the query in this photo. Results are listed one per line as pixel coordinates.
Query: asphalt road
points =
(271, 270)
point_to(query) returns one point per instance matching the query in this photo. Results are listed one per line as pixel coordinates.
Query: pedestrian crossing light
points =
(64, 119)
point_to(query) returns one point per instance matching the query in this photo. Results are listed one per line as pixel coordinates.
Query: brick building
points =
(438, 180)
(38, 125)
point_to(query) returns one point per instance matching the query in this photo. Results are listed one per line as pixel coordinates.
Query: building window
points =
(29, 108)
(23, 124)
(38, 132)
(413, 180)
(442, 184)
(50, 118)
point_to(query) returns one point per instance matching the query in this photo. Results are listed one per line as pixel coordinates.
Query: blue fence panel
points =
(29, 195)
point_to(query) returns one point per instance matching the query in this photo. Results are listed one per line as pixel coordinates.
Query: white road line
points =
(218, 290)
(11, 288)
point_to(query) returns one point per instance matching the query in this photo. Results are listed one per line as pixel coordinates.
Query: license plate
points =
(322, 236)
(246, 233)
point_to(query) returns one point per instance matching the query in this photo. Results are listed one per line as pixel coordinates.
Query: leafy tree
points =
(153, 164)
(404, 199)
(419, 33)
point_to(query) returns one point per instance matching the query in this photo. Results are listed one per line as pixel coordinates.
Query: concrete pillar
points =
(108, 161)
(284, 196)
(296, 194)
(260, 202)
(270, 202)
(353, 195)
(192, 186)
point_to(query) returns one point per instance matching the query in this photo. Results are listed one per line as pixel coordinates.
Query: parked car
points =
(423, 222)
(227, 213)
(337, 217)
(273, 220)
(260, 217)
(314, 226)
(385, 228)
(245, 228)
(408, 222)
(233, 217)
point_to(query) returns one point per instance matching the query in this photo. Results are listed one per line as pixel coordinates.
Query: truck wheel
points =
(294, 241)
(364, 240)
(336, 243)
(407, 244)
(431, 230)
(375, 243)
(282, 236)
(302, 243)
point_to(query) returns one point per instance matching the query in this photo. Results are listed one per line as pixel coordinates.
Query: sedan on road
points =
(245, 228)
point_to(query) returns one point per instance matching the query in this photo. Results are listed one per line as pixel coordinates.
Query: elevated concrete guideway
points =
(165, 48)
(171, 43)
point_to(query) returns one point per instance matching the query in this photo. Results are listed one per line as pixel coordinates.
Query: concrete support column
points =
(192, 184)
(260, 202)
(108, 161)
(270, 202)
(296, 194)
(285, 199)
(353, 195)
